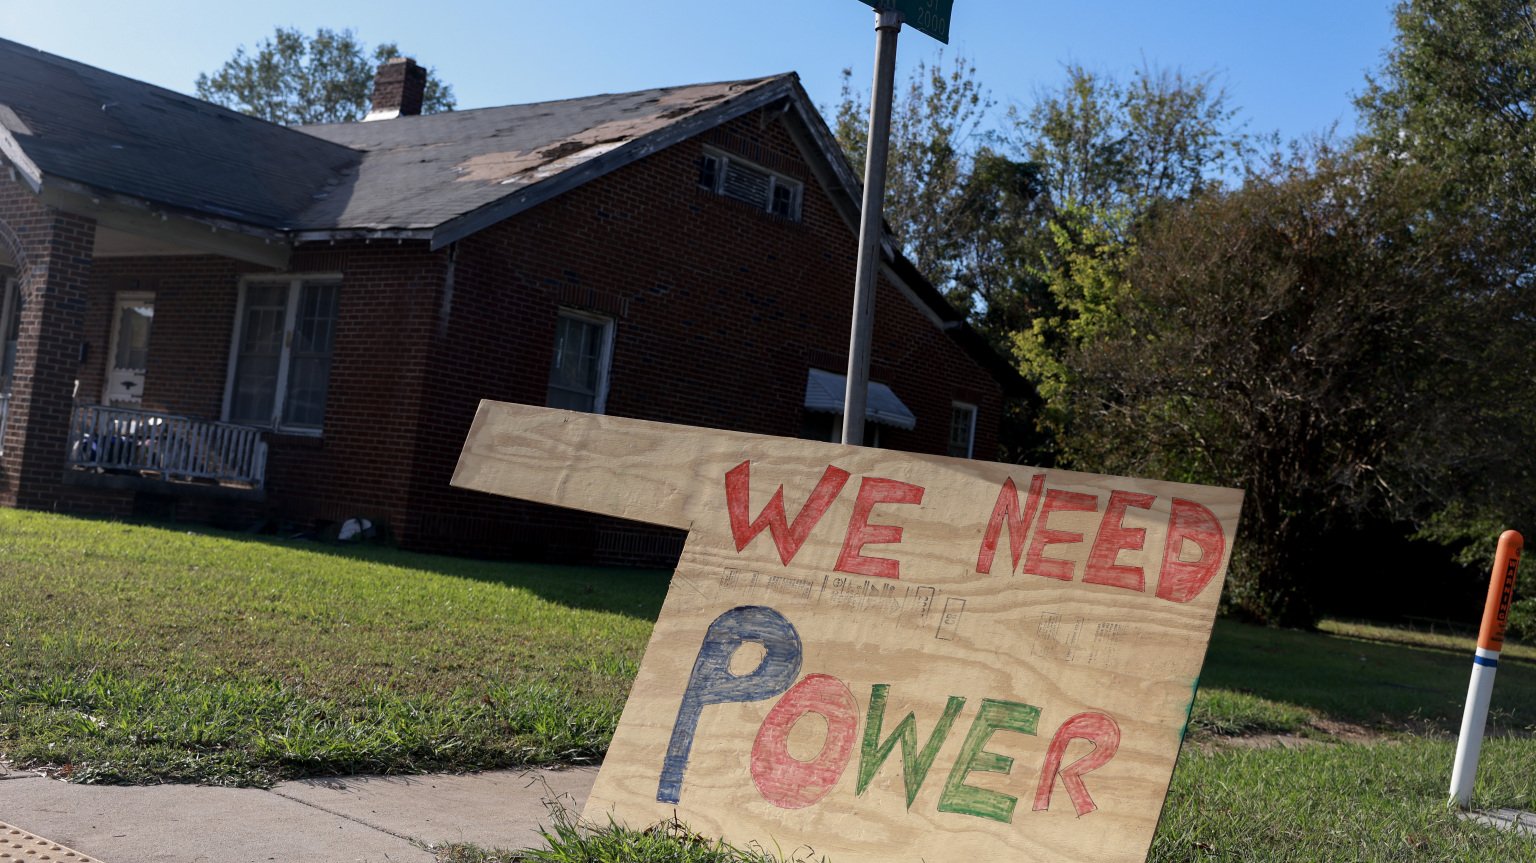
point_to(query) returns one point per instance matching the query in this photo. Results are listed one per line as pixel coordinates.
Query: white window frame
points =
(604, 356)
(295, 284)
(970, 443)
(775, 180)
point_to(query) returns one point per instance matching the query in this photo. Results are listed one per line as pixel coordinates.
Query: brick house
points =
(213, 317)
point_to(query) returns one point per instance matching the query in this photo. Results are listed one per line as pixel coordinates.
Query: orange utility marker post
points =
(1485, 662)
(1000, 659)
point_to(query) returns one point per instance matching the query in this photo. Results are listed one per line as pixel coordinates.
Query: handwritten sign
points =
(927, 16)
(887, 656)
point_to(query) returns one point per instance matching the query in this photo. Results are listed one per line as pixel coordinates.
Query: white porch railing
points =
(176, 447)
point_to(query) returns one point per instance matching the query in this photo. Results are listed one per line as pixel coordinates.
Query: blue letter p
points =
(713, 683)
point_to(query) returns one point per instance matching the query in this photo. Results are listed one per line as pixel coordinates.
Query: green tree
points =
(998, 233)
(294, 79)
(1316, 339)
(1110, 154)
(1081, 285)
(1456, 101)
(1458, 95)
(971, 217)
(1074, 134)
(935, 128)
(1030, 233)
(1116, 148)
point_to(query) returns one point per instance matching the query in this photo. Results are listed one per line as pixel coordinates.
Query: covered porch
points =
(87, 412)
(163, 448)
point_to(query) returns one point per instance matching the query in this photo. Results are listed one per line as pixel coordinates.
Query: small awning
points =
(824, 392)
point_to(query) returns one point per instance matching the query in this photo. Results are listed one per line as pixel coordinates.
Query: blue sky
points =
(1291, 67)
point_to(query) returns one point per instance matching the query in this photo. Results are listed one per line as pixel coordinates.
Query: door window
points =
(128, 359)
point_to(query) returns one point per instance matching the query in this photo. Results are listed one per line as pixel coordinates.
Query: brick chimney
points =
(398, 89)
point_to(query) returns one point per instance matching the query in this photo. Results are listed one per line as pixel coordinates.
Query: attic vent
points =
(746, 184)
(763, 189)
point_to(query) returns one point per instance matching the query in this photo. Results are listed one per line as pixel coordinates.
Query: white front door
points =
(132, 315)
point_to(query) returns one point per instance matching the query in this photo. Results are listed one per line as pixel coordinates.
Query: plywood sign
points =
(886, 656)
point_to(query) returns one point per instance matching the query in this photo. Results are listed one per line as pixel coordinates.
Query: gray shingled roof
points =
(113, 134)
(438, 177)
(421, 172)
(63, 120)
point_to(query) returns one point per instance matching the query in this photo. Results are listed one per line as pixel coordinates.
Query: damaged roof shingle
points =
(417, 172)
(441, 176)
(120, 136)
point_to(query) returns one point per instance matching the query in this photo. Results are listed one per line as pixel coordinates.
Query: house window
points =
(133, 316)
(786, 201)
(735, 178)
(281, 358)
(823, 416)
(10, 331)
(578, 372)
(829, 427)
(962, 430)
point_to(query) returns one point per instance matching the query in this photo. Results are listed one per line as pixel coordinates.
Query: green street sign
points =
(929, 16)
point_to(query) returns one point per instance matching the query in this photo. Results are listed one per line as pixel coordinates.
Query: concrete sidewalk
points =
(358, 819)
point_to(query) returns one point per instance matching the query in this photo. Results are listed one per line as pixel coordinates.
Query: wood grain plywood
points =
(886, 656)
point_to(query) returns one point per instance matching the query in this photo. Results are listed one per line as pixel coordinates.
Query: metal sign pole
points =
(887, 26)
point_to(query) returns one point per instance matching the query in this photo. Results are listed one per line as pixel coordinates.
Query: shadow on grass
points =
(1375, 683)
(632, 592)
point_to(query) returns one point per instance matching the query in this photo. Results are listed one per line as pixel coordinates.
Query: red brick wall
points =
(195, 297)
(720, 310)
(51, 252)
(361, 464)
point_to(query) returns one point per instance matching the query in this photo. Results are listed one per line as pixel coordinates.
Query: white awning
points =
(824, 392)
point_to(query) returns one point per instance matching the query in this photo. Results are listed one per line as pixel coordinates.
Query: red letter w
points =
(787, 537)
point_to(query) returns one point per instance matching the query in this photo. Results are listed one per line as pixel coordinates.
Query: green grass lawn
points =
(144, 654)
(137, 654)
(1257, 680)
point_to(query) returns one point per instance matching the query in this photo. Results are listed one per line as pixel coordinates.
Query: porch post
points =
(53, 272)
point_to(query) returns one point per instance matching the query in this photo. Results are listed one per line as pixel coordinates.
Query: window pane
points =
(575, 371)
(571, 401)
(133, 336)
(829, 427)
(821, 426)
(709, 172)
(784, 200)
(259, 353)
(309, 365)
(304, 405)
(961, 427)
(315, 327)
(11, 327)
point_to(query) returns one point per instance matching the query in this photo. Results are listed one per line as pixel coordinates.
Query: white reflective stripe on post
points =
(1474, 719)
